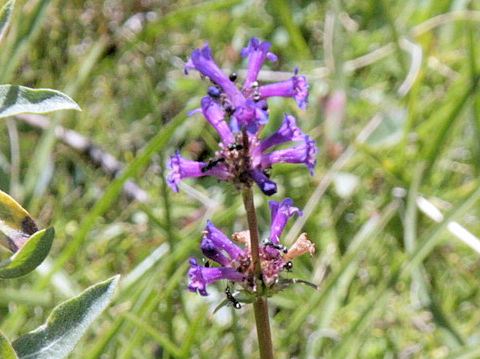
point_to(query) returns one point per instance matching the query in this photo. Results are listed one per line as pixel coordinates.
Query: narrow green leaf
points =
(467, 352)
(163, 340)
(433, 237)
(6, 350)
(443, 128)
(30, 256)
(5, 13)
(16, 224)
(66, 324)
(285, 16)
(361, 241)
(15, 100)
(156, 144)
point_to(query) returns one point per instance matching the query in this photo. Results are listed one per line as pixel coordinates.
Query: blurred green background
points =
(395, 283)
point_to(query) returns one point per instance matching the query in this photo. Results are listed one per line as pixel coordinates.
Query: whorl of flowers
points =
(239, 114)
(236, 262)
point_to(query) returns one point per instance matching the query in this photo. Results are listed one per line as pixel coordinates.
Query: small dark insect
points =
(211, 164)
(288, 266)
(235, 146)
(207, 264)
(236, 304)
(280, 247)
(233, 77)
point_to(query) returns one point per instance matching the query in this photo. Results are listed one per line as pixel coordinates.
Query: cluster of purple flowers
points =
(236, 264)
(239, 115)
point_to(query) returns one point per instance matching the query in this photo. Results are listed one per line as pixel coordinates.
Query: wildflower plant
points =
(244, 157)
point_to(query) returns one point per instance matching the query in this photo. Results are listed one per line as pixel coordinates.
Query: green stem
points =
(260, 306)
(254, 236)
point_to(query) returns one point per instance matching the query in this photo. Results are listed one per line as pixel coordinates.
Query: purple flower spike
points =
(296, 87)
(286, 133)
(200, 276)
(214, 114)
(222, 242)
(202, 61)
(280, 213)
(303, 153)
(256, 52)
(210, 250)
(185, 168)
(267, 186)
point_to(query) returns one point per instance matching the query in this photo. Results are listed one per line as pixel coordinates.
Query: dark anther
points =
(214, 92)
(229, 109)
(233, 77)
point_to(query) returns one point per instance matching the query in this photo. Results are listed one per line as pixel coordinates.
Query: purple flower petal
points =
(200, 276)
(266, 185)
(280, 213)
(249, 115)
(202, 61)
(222, 242)
(296, 87)
(256, 52)
(185, 168)
(303, 153)
(286, 133)
(210, 250)
(194, 111)
(214, 114)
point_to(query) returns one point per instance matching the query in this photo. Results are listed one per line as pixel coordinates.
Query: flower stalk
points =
(260, 306)
(244, 158)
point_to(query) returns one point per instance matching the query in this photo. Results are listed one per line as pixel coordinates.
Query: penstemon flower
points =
(236, 262)
(239, 115)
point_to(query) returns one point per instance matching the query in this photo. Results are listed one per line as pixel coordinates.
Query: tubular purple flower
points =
(200, 276)
(185, 168)
(248, 115)
(266, 185)
(303, 153)
(296, 87)
(202, 61)
(221, 241)
(280, 213)
(230, 110)
(256, 52)
(287, 132)
(214, 114)
(210, 250)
